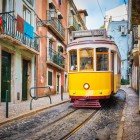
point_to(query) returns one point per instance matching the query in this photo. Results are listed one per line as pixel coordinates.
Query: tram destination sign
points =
(89, 33)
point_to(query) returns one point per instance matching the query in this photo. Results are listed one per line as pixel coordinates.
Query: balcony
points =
(55, 59)
(54, 24)
(73, 25)
(10, 34)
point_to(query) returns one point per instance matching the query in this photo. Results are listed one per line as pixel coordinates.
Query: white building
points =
(18, 49)
(116, 23)
(116, 14)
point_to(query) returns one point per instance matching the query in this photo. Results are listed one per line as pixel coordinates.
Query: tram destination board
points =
(89, 33)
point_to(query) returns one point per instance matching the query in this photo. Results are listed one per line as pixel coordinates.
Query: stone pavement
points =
(130, 122)
(23, 108)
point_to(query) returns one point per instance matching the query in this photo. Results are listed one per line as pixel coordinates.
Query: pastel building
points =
(134, 51)
(57, 20)
(116, 23)
(19, 47)
(33, 40)
(117, 30)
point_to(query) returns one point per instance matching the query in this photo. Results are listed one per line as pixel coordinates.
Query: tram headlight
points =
(86, 86)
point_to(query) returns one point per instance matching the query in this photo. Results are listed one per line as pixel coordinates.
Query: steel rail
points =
(74, 130)
(61, 118)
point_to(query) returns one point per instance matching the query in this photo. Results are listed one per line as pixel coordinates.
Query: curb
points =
(29, 113)
(121, 126)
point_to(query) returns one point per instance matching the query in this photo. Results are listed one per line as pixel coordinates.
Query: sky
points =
(95, 18)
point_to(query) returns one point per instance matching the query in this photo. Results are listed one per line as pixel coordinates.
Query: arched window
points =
(102, 62)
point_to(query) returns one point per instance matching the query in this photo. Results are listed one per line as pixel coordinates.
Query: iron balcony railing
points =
(9, 28)
(56, 58)
(73, 22)
(52, 19)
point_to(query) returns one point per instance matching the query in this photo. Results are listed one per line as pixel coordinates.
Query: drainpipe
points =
(139, 83)
(0, 72)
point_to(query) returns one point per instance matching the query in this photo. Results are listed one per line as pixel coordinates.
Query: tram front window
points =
(86, 59)
(73, 60)
(102, 59)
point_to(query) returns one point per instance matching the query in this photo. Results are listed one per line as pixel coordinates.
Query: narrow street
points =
(70, 69)
(63, 119)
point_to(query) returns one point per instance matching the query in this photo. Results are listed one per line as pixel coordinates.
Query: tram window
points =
(86, 59)
(102, 59)
(73, 60)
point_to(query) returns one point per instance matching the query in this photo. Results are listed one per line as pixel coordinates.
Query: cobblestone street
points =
(104, 126)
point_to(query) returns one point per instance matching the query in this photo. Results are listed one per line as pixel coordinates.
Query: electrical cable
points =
(100, 8)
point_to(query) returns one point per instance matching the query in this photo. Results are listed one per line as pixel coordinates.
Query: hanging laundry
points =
(20, 24)
(28, 30)
(1, 21)
(1, 25)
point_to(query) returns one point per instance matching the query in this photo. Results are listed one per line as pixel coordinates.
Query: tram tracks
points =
(94, 114)
(73, 131)
(61, 126)
(64, 127)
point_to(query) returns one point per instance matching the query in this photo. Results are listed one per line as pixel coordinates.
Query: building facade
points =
(51, 29)
(19, 48)
(76, 19)
(117, 30)
(54, 29)
(134, 57)
(114, 15)
(33, 39)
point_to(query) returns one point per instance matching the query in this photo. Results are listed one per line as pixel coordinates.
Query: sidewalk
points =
(130, 122)
(23, 108)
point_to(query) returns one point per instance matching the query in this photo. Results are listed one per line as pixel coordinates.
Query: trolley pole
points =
(7, 107)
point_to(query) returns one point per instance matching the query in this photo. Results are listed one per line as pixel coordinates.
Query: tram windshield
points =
(73, 60)
(86, 59)
(102, 62)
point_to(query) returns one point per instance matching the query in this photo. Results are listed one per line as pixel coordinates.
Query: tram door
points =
(112, 69)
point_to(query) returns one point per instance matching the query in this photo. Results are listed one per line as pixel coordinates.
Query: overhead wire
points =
(100, 8)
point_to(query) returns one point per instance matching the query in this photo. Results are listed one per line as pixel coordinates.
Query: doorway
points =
(6, 76)
(112, 69)
(24, 79)
(58, 83)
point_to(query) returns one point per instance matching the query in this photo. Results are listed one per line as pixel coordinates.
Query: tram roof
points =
(87, 42)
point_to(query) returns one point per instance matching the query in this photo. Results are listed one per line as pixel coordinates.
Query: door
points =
(6, 76)
(24, 79)
(58, 84)
(112, 69)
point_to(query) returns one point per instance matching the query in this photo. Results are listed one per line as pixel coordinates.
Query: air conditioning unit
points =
(123, 31)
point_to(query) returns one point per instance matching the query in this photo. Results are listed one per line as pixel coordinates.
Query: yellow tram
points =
(94, 66)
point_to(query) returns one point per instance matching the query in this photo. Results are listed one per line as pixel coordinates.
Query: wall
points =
(122, 43)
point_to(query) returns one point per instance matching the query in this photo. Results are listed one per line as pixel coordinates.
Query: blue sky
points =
(95, 19)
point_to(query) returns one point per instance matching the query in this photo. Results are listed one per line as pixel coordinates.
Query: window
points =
(86, 59)
(49, 78)
(50, 50)
(26, 14)
(73, 60)
(60, 2)
(11, 5)
(112, 61)
(31, 2)
(102, 59)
